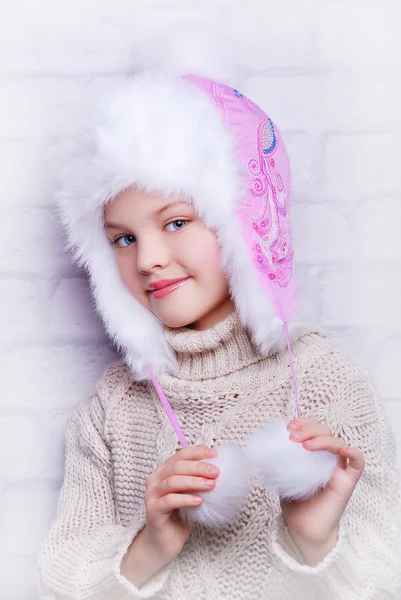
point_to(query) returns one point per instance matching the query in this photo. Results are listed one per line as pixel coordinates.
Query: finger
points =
(342, 460)
(190, 467)
(167, 504)
(304, 421)
(356, 459)
(193, 453)
(330, 443)
(182, 483)
(198, 452)
(309, 431)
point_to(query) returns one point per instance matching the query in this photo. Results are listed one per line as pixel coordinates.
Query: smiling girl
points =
(149, 203)
(190, 257)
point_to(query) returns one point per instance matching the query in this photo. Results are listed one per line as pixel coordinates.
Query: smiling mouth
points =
(168, 289)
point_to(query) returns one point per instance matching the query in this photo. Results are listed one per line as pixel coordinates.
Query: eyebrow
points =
(155, 213)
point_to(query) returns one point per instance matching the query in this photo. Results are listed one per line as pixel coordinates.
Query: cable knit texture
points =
(224, 390)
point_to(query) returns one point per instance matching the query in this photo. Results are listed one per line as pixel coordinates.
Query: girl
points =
(149, 203)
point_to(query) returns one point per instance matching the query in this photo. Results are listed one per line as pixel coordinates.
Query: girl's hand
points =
(315, 522)
(174, 485)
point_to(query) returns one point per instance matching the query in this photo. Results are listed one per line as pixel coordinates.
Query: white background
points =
(329, 74)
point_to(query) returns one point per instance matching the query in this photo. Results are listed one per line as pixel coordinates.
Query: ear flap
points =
(134, 329)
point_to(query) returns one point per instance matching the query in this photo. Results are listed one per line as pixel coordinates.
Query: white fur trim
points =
(161, 134)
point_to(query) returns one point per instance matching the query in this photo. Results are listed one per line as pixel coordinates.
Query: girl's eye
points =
(130, 238)
(181, 223)
(122, 237)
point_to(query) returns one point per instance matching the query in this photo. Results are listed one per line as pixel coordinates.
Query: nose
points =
(151, 254)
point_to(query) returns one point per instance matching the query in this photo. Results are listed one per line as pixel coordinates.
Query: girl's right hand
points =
(173, 485)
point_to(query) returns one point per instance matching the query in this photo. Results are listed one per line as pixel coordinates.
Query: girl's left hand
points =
(315, 522)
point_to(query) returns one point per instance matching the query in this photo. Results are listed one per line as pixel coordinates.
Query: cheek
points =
(205, 255)
(129, 277)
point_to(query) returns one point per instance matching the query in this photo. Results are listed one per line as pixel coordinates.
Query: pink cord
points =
(294, 380)
(169, 411)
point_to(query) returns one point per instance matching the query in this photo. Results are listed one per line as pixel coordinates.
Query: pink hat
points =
(192, 135)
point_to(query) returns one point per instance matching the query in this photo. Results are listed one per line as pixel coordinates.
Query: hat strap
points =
(169, 411)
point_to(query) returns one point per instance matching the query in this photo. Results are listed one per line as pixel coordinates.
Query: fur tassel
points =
(287, 467)
(220, 505)
(204, 48)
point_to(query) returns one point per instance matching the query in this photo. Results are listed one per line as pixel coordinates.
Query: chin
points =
(179, 320)
(180, 315)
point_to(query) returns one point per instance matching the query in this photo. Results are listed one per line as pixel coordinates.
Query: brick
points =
(359, 35)
(329, 102)
(29, 170)
(63, 375)
(292, 102)
(21, 179)
(25, 517)
(33, 243)
(300, 150)
(358, 102)
(102, 39)
(308, 294)
(22, 451)
(55, 425)
(361, 166)
(378, 231)
(364, 297)
(96, 46)
(18, 577)
(270, 36)
(24, 310)
(322, 233)
(41, 114)
(72, 312)
(361, 343)
(55, 107)
(387, 368)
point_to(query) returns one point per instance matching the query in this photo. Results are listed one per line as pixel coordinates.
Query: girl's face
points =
(157, 239)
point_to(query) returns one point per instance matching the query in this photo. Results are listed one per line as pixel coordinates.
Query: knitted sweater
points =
(223, 391)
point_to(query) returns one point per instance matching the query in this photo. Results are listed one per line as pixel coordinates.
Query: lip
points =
(162, 288)
(162, 283)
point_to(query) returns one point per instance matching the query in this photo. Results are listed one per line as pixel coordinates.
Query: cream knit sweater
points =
(224, 391)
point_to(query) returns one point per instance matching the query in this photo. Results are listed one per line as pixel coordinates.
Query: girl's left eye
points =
(181, 222)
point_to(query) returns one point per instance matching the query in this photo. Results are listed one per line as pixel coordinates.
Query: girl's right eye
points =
(116, 242)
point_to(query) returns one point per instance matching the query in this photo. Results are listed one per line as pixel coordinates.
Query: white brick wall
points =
(329, 73)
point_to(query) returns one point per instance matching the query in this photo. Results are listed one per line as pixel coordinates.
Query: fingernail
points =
(292, 426)
(211, 452)
(212, 470)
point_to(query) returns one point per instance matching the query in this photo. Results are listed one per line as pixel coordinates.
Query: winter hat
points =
(179, 128)
(163, 132)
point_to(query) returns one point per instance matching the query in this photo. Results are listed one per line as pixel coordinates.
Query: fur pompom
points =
(220, 505)
(201, 47)
(287, 467)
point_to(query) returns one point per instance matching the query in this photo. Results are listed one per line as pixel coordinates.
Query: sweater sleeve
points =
(365, 564)
(81, 555)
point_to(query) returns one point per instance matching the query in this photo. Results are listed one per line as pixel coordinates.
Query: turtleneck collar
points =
(214, 352)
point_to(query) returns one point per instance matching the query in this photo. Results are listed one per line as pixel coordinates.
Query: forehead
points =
(142, 203)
